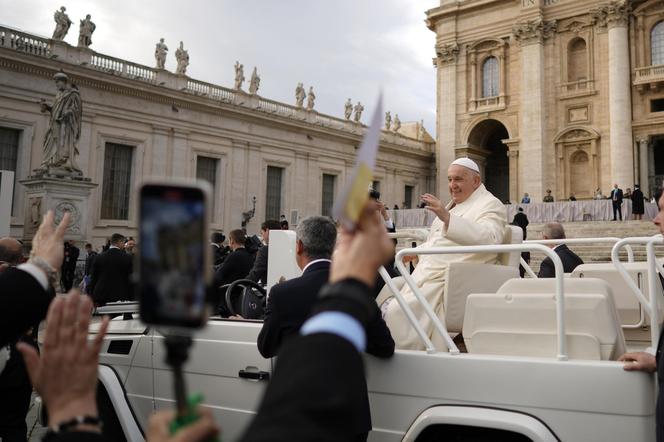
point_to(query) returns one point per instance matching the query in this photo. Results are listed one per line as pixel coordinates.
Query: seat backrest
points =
(520, 320)
(629, 309)
(513, 235)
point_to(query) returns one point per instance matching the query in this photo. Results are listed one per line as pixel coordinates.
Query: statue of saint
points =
(358, 112)
(64, 129)
(348, 109)
(62, 24)
(182, 56)
(388, 120)
(422, 131)
(239, 75)
(255, 82)
(311, 98)
(397, 123)
(300, 95)
(85, 32)
(160, 52)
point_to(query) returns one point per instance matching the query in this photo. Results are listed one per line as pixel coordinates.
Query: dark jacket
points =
(618, 195)
(111, 277)
(89, 260)
(259, 271)
(637, 202)
(570, 261)
(521, 220)
(235, 266)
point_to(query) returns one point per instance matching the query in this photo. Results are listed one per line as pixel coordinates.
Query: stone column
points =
(531, 35)
(620, 103)
(643, 164)
(513, 154)
(447, 117)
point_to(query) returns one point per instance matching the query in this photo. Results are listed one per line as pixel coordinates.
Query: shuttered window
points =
(329, 182)
(206, 169)
(117, 181)
(273, 192)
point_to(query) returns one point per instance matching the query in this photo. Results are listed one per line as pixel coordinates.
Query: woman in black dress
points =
(637, 202)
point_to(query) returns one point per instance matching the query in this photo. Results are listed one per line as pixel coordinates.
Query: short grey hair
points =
(554, 231)
(318, 235)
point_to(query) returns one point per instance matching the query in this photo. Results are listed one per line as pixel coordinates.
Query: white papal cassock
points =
(481, 219)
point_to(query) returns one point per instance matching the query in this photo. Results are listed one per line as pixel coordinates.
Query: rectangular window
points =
(329, 182)
(117, 181)
(206, 169)
(657, 105)
(408, 197)
(9, 153)
(273, 192)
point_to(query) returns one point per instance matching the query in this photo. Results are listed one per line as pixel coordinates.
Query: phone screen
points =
(173, 262)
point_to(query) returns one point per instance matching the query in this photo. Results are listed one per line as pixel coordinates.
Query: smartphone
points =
(174, 262)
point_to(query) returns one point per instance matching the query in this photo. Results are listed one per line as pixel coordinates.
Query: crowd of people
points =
(318, 323)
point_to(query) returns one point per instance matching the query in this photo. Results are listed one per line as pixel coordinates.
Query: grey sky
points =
(344, 48)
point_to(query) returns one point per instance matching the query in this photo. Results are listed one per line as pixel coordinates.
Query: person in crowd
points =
(638, 208)
(651, 360)
(570, 259)
(473, 217)
(90, 256)
(238, 263)
(219, 251)
(598, 194)
(374, 195)
(298, 404)
(284, 225)
(396, 207)
(572, 197)
(69, 265)
(130, 246)
(11, 252)
(111, 274)
(616, 198)
(15, 387)
(628, 193)
(521, 219)
(525, 199)
(548, 198)
(258, 272)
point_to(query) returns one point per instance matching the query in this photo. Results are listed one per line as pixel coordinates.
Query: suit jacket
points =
(618, 194)
(111, 277)
(235, 266)
(521, 220)
(259, 270)
(570, 261)
(23, 303)
(481, 219)
(89, 260)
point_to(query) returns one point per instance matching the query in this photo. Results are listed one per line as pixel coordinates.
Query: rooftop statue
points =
(300, 95)
(388, 120)
(64, 129)
(358, 111)
(239, 75)
(255, 82)
(160, 52)
(348, 109)
(182, 56)
(62, 24)
(85, 32)
(311, 98)
(397, 123)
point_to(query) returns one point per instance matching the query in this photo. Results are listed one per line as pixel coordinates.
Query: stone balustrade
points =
(648, 75)
(574, 88)
(44, 47)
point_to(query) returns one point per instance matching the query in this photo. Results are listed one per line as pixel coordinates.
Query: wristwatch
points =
(51, 273)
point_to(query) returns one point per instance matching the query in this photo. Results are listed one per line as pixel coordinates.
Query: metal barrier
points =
(440, 326)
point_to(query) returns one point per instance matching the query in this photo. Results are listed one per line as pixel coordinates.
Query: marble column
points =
(531, 35)
(513, 155)
(447, 116)
(620, 102)
(643, 164)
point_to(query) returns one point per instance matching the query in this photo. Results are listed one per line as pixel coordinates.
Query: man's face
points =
(265, 235)
(615, 186)
(659, 219)
(130, 244)
(462, 182)
(60, 85)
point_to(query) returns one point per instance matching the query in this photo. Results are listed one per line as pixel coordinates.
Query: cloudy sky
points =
(344, 48)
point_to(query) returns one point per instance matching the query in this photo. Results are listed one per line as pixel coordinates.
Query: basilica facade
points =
(552, 94)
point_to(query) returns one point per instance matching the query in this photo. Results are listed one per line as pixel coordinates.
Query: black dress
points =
(637, 202)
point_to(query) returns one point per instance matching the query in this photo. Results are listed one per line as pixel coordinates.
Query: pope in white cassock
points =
(473, 217)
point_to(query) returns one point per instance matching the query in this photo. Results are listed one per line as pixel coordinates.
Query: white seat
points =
(520, 320)
(629, 309)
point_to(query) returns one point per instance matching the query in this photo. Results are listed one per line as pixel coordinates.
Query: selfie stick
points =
(177, 353)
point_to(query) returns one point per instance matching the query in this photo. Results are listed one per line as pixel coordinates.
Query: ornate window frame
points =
(568, 142)
(567, 34)
(477, 54)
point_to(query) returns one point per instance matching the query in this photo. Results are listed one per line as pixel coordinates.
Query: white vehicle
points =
(540, 364)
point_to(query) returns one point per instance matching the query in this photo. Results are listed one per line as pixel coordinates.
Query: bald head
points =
(11, 251)
(553, 231)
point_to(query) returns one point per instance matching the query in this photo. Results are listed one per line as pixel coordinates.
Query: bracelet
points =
(75, 422)
(51, 273)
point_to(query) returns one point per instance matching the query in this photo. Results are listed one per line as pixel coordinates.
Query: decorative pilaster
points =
(447, 120)
(643, 164)
(447, 52)
(534, 31)
(513, 155)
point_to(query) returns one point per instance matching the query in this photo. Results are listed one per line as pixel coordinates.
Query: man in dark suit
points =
(237, 264)
(259, 271)
(219, 251)
(69, 265)
(521, 220)
(570, 259)
(616, 200)
(111, 273)
(290, 303)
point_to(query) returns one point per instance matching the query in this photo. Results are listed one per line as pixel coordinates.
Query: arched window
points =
(577, 60)
(657, 44)
(490, 77)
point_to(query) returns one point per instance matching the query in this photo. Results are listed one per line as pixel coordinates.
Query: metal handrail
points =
(650, 306)
(440, 326)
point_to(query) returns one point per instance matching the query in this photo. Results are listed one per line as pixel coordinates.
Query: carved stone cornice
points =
(609, 15)
(447, 52)
(534, 31)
